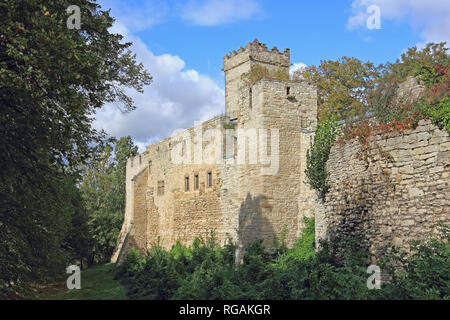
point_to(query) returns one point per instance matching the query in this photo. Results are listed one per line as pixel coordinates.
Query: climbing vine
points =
(318, 153)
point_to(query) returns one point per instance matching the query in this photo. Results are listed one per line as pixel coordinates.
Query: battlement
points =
(257, 52)
(240, 62)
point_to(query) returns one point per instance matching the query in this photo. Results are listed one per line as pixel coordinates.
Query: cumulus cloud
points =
(138, 15)
(216, 12)
(176, 99)
(296, 67)
(432, 17)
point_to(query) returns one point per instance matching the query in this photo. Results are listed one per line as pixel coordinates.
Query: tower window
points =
(288, 89)
(161, 188)
(209, 179)
(196, 182)
(186, 184)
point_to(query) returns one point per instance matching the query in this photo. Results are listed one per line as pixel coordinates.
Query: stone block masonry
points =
(254, 189)
(394, 198)
(246, 179)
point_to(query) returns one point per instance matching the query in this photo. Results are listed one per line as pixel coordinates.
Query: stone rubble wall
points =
(398, 194)
(244, 203)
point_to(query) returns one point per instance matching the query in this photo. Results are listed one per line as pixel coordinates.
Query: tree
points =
(430, 67)
(342, 86)
(52, 79)
(103, 190)
(428, 64)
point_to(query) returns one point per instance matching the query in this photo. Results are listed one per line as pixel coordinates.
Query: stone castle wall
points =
(396, 194)
(255, 194)
(175, 214)
(395, 197)
(241, 61)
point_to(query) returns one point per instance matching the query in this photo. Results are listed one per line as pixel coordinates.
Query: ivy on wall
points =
(318, 153)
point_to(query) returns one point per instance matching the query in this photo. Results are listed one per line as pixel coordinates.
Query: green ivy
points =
(229, 125)
(318, 153)
(438, 111)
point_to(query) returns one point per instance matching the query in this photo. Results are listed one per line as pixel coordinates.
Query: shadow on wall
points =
(253, 225)
(128, 243)
(353, 220)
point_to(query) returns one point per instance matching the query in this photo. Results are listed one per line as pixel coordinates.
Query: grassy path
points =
(97, 283)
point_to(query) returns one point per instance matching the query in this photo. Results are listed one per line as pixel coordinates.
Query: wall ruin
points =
(398, 194)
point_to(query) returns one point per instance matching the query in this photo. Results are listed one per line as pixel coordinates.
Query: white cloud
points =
(176, 98)
(432, 17)
(299, 66)
(137, 15)
(216, 12)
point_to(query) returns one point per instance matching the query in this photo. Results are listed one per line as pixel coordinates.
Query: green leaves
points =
(338, 270)
(103, 190)
(318, 153)
(423, 273)
(430, 67)
(342, 86)
(52, 80)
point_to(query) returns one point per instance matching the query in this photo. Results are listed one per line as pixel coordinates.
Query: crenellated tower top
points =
(258, 52)
(241, 61)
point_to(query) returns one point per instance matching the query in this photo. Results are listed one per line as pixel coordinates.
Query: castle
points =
(241, 174)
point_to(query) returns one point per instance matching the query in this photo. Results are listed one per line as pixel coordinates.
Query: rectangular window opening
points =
(196, 182)
(209, 179)
(186, 184)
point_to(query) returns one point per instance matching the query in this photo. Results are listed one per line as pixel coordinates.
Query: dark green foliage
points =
(337, 271)
(425, 274)
(42, 234)
(52, 79)
(103, 191)
(318, 153)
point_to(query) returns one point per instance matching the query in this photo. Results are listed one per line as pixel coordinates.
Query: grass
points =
(97, 283)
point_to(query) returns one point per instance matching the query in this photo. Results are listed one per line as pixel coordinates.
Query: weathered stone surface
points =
(405, 201)
(395, 199)
(244, 203)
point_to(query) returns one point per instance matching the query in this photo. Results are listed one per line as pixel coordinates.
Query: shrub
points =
(430, 66)
(424, 273)
(131, 266)
(303, 249)
(337, 271)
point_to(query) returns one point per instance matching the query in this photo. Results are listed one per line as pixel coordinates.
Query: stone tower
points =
(252, 190)
(261, 199)
(239, 62)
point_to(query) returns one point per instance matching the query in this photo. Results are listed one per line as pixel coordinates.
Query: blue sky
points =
(182, 44)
